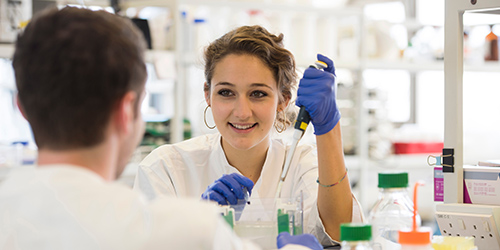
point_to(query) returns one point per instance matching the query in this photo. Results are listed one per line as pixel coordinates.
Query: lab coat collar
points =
(70, 169)
(266, 185)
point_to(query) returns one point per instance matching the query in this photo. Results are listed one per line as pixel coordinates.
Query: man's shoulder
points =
(65, 184)
(182, 216)
(185, 205)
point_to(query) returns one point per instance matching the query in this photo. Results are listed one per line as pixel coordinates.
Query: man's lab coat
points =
(69, 207)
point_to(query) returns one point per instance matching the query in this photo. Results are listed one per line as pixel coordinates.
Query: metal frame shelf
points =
(454, 211)
(454, 69)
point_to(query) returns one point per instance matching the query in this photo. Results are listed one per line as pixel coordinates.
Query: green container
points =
(393, 180)
(283, 222)
(355, 232)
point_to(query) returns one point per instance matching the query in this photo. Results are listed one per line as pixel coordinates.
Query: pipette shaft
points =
(300, 126)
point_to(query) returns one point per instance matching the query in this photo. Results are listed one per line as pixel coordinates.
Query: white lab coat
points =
(68, 207)
(186, 169)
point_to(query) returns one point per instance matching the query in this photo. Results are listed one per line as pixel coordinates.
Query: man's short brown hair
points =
(72, 66)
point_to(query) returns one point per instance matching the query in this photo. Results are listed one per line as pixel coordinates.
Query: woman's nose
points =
(242, 109)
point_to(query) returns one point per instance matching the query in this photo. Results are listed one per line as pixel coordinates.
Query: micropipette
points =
(300, 126)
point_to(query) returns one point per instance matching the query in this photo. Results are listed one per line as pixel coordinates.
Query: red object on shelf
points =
(417, 147)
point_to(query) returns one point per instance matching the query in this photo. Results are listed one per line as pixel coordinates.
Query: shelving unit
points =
(454, 211)
(254, 5)
(454, 70)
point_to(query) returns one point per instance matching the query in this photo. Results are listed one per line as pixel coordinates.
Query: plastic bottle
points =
(491, 47)
(186, 26)
(355, 236)
(415, 238)
(393, 210)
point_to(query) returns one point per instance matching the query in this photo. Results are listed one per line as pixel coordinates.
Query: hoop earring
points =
(205, 118)
(278, 128)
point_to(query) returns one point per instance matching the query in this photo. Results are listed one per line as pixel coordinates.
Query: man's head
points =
(73, 68)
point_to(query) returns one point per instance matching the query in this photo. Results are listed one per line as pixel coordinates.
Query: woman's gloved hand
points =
(317, 91)
(307, 240)
(228, 189)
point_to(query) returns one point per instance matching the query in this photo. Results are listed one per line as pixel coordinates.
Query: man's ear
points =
(21, 108)
(124, 113)
(207, 94)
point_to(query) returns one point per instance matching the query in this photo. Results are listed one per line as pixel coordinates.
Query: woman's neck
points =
(248, 161)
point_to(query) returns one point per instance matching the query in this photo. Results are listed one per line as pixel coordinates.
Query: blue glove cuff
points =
(320, 130)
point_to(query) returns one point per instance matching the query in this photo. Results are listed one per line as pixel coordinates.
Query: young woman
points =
(249, 82)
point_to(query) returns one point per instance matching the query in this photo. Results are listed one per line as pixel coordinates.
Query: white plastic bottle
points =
(355, 236)
(393, 210)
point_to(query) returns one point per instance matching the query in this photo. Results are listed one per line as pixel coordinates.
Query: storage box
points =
(417, 147)
(481, 185)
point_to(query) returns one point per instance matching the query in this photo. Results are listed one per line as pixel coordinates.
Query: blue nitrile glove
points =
(307, 240)
(228, 189)
(316, 93)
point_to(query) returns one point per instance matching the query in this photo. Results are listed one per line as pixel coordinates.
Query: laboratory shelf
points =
(339, 64)
(403, 65)
(151, 55)
(352, 162)
(454, 91)
(391, 163)
(100, 3)
(453, 177)
(264, 5)
(6, 50)
(483, 67)
(420, 66)
(160, 86)
(403, 162)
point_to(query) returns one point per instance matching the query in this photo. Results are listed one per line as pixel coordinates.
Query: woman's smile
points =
(243, 128)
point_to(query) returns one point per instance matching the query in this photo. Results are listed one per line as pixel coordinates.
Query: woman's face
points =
(244, 99)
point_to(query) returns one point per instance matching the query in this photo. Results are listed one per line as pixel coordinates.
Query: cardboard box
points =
(438, 184)
(481, 185)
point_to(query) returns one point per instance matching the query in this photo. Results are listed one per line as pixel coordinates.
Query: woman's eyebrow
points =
(261, 85)
(252, 85)
(224, 83)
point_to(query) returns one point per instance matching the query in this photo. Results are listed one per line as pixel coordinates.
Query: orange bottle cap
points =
(418, 237)
(415, 236)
